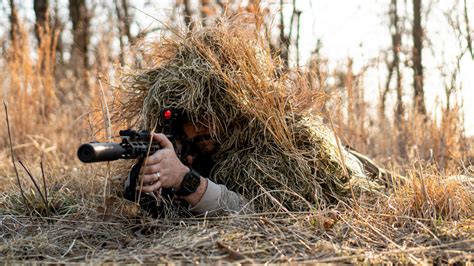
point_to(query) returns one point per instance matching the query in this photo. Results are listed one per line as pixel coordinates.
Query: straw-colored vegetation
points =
(54, 209)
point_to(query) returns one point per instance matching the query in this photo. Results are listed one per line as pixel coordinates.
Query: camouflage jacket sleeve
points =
(219, 200)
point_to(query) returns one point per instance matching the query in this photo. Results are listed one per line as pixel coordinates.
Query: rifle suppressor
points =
(100, 152)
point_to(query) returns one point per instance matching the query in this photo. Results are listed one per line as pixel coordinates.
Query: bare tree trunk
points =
(188, 15)
(80, 18)
(298, 15)
(43, 30)
(396, 47)
(121, 32)
(127, 21)
(468, 31)
(205, 8)
(284, 40)
(58, 29)
(124, 21)
(14, 25)
(419, 95)
(451, 86)
(351, 97)
(385, 92)
(394, 71)
(394, 65)
(41, 8)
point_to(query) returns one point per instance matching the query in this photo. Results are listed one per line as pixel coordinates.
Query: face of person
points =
(206, 146)
(201, 161)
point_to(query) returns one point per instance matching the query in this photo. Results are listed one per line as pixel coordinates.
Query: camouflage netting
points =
(272, 150)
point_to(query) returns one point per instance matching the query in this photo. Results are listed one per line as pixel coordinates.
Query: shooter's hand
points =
(163, 168)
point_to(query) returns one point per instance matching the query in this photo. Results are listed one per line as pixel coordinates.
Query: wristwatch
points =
(190, 183)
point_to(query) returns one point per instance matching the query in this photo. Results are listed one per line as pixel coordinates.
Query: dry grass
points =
(434, 197)
(348, 235)
(426, 219)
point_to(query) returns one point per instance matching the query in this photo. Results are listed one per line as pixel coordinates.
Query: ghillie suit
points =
(272, 149)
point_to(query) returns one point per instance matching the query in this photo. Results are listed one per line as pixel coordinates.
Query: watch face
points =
(191, 182)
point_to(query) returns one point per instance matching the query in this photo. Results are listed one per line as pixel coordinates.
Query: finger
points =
(150, 178)
(153, 187)
(164, 142)
(154, 159)
(151, 169)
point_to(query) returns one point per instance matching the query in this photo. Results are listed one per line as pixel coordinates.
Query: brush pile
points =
(273, 150)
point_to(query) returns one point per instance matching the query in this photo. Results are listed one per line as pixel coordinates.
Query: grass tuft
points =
(433, 197)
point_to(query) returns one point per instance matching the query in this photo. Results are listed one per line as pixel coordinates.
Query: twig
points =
(25, 200)
(341, 156)
(36, 186)
(44, 185)
(108, 132)
(105, 111)
(381, 234)
(167, 27)
(69, 249)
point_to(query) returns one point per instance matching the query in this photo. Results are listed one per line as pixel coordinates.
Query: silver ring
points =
(157, 176)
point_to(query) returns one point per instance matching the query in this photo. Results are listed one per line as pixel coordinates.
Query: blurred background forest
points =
(399, 96)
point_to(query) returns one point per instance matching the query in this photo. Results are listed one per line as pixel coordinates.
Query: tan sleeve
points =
(218, 200)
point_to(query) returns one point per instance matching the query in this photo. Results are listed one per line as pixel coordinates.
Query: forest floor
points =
(80, 224)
